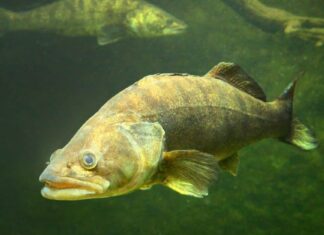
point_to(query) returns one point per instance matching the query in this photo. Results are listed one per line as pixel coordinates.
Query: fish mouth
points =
(66, 188)
(175, 29)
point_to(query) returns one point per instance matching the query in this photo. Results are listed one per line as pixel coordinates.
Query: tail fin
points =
(299, 135)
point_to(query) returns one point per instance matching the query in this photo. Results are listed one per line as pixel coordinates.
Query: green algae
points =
(53, 84)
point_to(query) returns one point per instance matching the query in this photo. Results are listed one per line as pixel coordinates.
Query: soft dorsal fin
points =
(233, 74)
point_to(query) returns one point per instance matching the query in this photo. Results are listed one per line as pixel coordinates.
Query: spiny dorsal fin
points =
(233, 74)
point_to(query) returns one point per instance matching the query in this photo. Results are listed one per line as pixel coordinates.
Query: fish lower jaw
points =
(67, 194)
(72, 189)
(172, 32)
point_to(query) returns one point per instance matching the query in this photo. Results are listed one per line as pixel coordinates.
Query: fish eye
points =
(88, 161)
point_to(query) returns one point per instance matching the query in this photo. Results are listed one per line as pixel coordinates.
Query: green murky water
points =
(51, 84)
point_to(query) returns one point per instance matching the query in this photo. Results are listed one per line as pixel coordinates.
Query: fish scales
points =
(197, 113)
(81, 17)
(108, 20)
(177, 130)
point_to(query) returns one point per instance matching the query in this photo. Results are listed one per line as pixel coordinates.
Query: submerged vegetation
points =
(52, 84)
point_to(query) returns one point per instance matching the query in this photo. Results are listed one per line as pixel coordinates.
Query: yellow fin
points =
(230, 164)
(233, 74)
(188, 172)
(146, 187)
(110, 34)
(186, 188)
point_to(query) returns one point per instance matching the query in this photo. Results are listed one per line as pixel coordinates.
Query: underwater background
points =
(51, 84)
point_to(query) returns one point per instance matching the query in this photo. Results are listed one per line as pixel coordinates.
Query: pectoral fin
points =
(230, 164)
(188, 172)
(110, 34)
(146, 187)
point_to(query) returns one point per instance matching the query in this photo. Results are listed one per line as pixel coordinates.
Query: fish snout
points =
(59, 187)
(176, 27)
(48, 175)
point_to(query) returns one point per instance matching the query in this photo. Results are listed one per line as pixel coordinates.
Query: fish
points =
(172, 129)
(107, 20)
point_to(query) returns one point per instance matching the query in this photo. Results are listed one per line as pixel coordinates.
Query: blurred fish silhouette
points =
(108, 20)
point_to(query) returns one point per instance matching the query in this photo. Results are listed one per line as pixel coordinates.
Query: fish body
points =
(201, 113)
(171, 129)
(108, 20)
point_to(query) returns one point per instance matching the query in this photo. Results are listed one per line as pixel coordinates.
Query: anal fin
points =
(110, 34)
(230, 164)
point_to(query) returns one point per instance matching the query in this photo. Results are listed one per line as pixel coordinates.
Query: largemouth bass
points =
(178, 130)
(108, 20)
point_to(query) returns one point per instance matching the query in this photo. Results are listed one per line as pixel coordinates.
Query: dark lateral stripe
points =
(53, 11)
(81, 4)
(93, 2)
(146, 96)
(158, 100)
(180, 86)
(70, 6)
(244, 120)
(204, 92)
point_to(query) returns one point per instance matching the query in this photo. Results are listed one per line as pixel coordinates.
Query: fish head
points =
(151, 21)
(103, 161)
